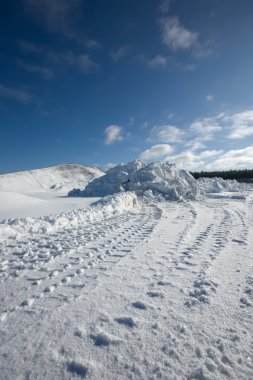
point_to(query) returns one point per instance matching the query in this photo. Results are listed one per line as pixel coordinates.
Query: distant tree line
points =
(244, 175)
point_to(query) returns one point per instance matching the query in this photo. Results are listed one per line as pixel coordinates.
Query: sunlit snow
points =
(151, 279)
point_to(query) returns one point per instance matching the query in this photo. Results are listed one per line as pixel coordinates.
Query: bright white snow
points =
(43, 191)
(161, 178)
(130, 288)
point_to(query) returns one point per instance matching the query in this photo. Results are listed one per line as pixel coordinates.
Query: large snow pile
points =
(113, 205)
(158, 178)
(53, 178)
(218, 185)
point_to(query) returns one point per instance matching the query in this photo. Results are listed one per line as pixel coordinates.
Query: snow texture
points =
(102, 209)
(53, 178)
(218, 185)
(158, 178)
(129, 288)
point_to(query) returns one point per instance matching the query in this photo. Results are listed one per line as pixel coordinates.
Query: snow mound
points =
(53, 178)
(154, 179)
(218, 185)
(114, 205)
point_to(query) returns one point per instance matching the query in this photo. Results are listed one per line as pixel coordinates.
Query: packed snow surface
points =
(129, 287)
(161, 178)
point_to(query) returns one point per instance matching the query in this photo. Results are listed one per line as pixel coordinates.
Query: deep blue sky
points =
(104, 82)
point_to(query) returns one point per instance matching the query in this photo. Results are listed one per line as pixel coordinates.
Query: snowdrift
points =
(154, 179)
(116, 204)
(60, 177)
(218, 185)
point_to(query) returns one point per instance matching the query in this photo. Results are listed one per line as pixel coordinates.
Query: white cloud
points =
(190, 161)
(205, 128)
(195, 145)
(120, 53)
(233, 159)
(15, 94)
(236, 125)
(158, 61)
(209, 98)
(113, 133)
(166, 133)
(241, 124)
(156, 152)
(176, 36)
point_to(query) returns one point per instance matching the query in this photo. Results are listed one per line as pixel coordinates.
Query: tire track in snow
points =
(65, 274)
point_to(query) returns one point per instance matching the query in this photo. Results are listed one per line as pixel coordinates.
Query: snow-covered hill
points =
(43, 191)
(60, 177)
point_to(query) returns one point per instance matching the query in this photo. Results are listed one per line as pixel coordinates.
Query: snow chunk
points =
(157, 178)
(100, 210)
(218, 185)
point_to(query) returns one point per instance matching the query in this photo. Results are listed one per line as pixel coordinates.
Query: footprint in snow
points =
(77, 368)
(104, 339)
(139, 305)
(155, 294)
(127, 321)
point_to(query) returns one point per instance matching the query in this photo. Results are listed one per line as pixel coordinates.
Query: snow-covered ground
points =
(129, 288)
(44, 191)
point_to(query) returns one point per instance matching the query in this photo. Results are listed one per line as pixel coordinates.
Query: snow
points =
(158, 178)
(43, 191)
(109, 206)
(60, 177)
(129, 287)
(218, 185)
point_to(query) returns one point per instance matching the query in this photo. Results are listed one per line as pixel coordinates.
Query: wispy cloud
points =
(205, 128)
(22, 96)
(195, 145)
(158, 61)
(40, 70)
(60, 16)
(234, 125)
(237, 158)
(192, 161)
(166, 133)
(156, 152)
(209, 98)
(86, 64)
(56, 15)
(30, 47)
(165, 6)
(113, 133)
(82, 62)
(120, 53)
(175, 35)
(241, 124)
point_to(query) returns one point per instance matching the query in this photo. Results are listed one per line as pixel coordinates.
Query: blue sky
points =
(104, 82)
